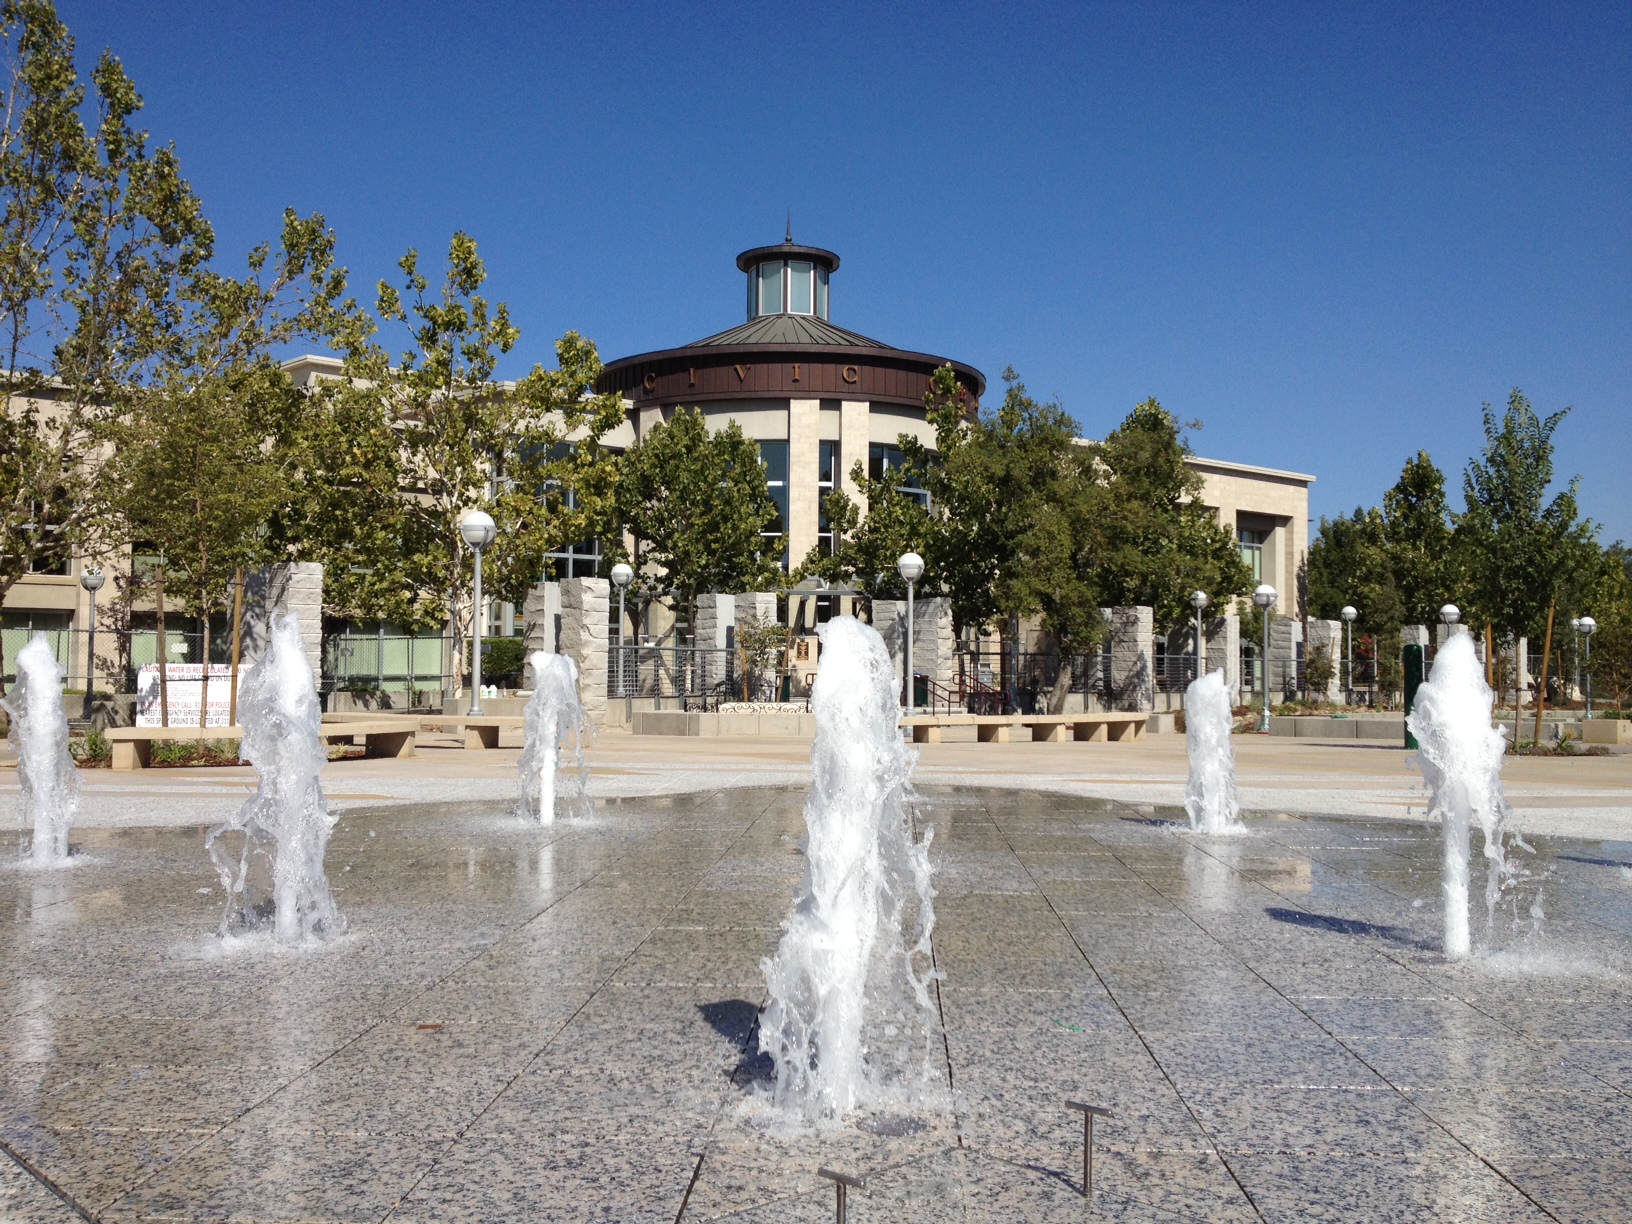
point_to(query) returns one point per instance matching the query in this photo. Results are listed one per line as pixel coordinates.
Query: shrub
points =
(93, 750)
(502, 660)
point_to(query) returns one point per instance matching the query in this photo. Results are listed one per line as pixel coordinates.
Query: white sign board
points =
(185, 682)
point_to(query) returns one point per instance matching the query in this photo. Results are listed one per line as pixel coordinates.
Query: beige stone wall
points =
(1280, 499)
(804, 461)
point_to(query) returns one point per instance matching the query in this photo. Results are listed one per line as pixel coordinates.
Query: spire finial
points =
(789, 238)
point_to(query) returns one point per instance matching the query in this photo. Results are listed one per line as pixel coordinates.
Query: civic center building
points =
(817, 398)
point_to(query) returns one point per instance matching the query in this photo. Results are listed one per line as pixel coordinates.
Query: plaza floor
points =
(557, 1024)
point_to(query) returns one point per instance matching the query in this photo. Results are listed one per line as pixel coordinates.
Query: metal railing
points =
(688, 677)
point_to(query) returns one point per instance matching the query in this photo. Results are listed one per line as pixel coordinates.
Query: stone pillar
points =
(1327, 635)
(716, 621)
(890, 619)
(584, 617)
(804, 461)
(1224, 650)
(1414, 635)
(1133, 649)
(1285, 635)
(933, 649)
(855, 435)
(295, 586)
(756, 605)
(1443, 633)
(541, 624)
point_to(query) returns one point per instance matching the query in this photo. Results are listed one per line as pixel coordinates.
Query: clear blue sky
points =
(1327, 231)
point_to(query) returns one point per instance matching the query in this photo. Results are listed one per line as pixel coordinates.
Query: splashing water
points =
(850, 1016)
(1461, 759)
(1209, 798)
(45, 771)
(552, 712)
(278, 875)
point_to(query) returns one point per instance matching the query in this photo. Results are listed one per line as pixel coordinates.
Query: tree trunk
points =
(1546, 656)
(1062, 684)
(237, 643)
(204, 658)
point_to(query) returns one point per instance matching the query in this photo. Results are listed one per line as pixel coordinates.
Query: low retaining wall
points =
(737, 724)
(1377, 728)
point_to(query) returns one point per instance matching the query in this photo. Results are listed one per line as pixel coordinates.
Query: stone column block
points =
(1327, 635)
(584, 631)
(1224, 649)
(275, 591)
(889, 617)
(1133, 650)
(1285, 636)
(933, 647)
(716, 621)
(541, 624)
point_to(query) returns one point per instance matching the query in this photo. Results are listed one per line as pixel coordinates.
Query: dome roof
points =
(789, 329)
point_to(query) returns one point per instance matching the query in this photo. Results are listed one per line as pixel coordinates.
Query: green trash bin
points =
(1413, 662)
(920, 690)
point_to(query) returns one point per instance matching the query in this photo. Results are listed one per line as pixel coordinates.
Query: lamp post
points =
(1264, 598)
(1575, 653)
(622, 575)
(91, 579)
(911, 567)
(1198, 601)
(1588, 628)
(477, 529)
(1348, 614)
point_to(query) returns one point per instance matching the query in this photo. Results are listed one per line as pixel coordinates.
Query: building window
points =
(1252, 551)
(770, 288)
(800, 293)
(888, 462)
(821, 293)
(774, 455)
(574, 560)
(826, 473)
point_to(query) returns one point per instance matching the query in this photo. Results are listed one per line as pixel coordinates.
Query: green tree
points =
(396, 450)
(1350, 564)
(696, 503)
(99, 236)
(1157, 541)
(1418, 539)
(1519, 547)
(869, 546)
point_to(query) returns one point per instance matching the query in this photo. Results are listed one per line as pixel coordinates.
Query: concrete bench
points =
(480, 732)
(1047, 728)
(382, 737)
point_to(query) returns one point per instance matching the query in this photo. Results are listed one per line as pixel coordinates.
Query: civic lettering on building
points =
(649, 382)
(796, 371)
(742, 372)
(850, 374)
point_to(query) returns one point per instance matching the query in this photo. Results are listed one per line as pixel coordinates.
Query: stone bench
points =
(480, 731)
(1047, 728)
(382, 737)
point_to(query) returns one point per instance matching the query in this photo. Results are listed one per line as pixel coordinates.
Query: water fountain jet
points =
(1209, 796)
(552, 711)
(850, 1014)
(286, 823)
(1461, 759)
(45, 771)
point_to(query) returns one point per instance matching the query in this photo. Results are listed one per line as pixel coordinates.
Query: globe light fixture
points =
(1450, 614)
(91, 579)
(911, 568)
(477, 529)
(1264, 598)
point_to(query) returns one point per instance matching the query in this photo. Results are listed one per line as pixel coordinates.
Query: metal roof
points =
(790, 329)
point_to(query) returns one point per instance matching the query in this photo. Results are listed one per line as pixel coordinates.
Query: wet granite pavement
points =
(553, 1024)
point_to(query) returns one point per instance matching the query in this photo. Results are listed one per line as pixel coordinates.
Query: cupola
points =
(788, 279)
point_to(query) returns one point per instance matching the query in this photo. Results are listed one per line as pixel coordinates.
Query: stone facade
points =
(889, 617)
(584, 616)
(1327, 635)
(756, 605)
(541, 624)
(934, 651)
(716, 621)
(275, 591)
(1133, 651)
(1224, 649)
(1285, 636)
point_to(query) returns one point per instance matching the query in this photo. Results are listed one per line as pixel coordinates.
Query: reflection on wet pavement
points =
(555, 1024)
